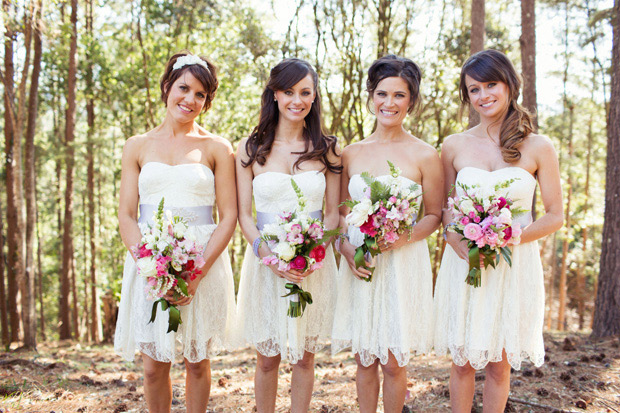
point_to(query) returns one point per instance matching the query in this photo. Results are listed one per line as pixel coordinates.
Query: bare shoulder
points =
(134, 145)
(452, 143)
(423, 149)
(539, 146)
(352, 150)
(242, 152)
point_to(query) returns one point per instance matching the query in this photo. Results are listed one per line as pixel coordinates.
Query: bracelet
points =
(445, 230)
(256, 246)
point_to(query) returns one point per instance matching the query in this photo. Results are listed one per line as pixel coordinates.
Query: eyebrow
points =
(385, 91)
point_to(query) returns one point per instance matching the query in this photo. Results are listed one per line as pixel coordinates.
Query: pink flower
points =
(390, 237)
(270, 260)
(476, 219)
(368, 227)
(316, 266)
(464, 221)
(480, 208)
(296, 229)
(507, 233)
(144, 252)
(299, 262)
(472, 214)
(491, 238)
(472, 232)
(501, 202)
(480, 242)
(393, 199)
(315, 231)
(318, 253)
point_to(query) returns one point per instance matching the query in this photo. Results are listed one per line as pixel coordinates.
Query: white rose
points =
(467, 206)
(179, 229)
(147, 267)
(285, 251)
(359, 213)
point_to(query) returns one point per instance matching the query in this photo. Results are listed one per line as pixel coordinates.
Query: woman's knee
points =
(198, 369)
(267, 364)
(362, 368)
(392, 369)
(498, 372)
(463, 371)
(155, 371)
(307, 362)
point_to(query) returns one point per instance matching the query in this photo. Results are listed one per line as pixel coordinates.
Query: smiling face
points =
(186, 98)
(391, 100)
(489, 99)
(295, 103)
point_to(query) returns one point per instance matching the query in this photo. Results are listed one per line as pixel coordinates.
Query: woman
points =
(191, 169)
(499, 324)
(288, 143)
(388, 318)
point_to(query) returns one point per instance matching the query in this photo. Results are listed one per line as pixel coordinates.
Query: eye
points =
(201, 95)
(382, 94)
(400, 95)
(473, 90)
(183, 88)
(288, 92)
(491, 84)
(306, 93)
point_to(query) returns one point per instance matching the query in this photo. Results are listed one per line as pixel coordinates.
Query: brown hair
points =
(207, 77)
(493, 66)
(395, 66)
(284, 76)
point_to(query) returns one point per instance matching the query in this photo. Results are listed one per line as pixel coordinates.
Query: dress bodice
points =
(357, 185)
(521, 191)
(186, 185)
(274, 193)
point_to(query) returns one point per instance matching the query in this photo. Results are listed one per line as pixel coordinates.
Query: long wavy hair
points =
(284, 76)
(493, 66)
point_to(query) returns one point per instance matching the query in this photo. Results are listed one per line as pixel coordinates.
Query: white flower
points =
(147, 267)
(285, 251)
(467, 206)
(505, 217)
(179, 229)
(359, 213)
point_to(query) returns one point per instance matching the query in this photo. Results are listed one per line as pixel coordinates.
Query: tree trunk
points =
(94, 324)
(4, 320)
(29, 294)
(40, 276)
(527, 42)
(67, 238)
(607, 316)
(12, 149)
(476, 45)
(384, 21)
(567, 227)
(581, 276)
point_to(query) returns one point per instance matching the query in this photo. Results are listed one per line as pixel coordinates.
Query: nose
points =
(388, 101)
(296, 98)
(483, 93)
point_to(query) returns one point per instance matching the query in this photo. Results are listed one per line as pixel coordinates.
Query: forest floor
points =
(579, 375)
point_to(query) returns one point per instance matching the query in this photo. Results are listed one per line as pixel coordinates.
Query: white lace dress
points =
(393, 312)
(209, 318)
(507, 311)
(262, 309)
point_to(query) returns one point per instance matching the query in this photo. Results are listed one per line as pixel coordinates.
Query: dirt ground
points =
(579, 375)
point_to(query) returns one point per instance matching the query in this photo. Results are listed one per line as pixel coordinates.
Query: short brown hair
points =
(395, 66)
(207, 77)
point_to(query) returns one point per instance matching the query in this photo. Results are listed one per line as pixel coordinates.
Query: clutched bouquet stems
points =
(387, 210)
(168, 259)
(484, 218)
(297, 242)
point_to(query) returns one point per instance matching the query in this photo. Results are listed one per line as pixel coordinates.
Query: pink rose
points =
(464, 221)
(472, 232)
(480, 208)
(270, 260)
(491, 238)
(476, 219)
(390, 237)
(299, 263)
(368, 227)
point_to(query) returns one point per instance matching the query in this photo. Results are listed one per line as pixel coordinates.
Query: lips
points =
(296, 110)
(488, 104)
(389, 112)
(184, 108)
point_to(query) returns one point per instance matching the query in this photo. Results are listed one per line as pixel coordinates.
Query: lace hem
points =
(194, 352)
(368, 356)
(271, 348)
(479, 359)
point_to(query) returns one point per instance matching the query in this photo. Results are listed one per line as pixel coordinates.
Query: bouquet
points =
(485, 220)
(168, 259)
(387, 210)
(296, 240)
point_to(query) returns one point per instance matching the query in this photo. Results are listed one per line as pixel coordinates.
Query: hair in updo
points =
(395, 66)
(208, 78)
(284, 76)
(493, 66)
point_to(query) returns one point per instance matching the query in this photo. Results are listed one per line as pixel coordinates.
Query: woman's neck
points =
(490, 127)
(176, 129)
(289, 131)
(389, 133)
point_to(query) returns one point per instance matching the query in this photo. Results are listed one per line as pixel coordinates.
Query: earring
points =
(274, 99)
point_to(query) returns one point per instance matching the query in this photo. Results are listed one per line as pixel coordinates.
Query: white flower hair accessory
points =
(189, 59)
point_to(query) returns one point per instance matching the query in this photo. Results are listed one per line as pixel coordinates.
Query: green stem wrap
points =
(296, 308)
(174, 320)
(369, 246)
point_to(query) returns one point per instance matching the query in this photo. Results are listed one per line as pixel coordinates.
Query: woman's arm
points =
(448, 153)
(548, 173)
(332, 192)
(346, 248)
(128, 196)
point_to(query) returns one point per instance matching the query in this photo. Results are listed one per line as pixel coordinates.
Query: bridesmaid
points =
(499, 324)
(191, 168)
(288, 143)
(387, 319)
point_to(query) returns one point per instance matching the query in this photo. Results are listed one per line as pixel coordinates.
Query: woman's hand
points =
(347, 250)
(459, 246)
(294, 276)
(403, 239)
(192, 287)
